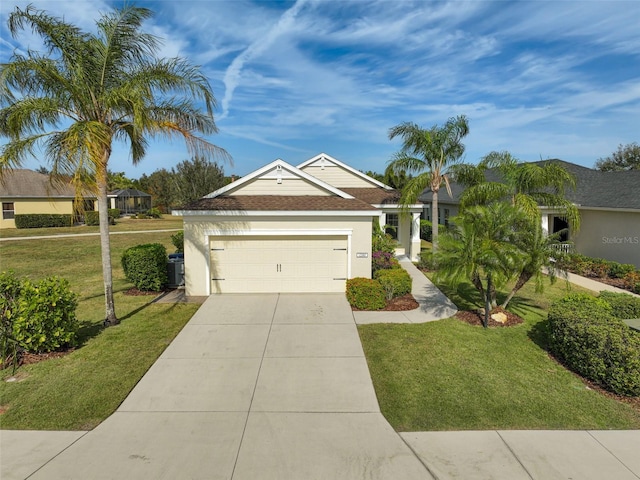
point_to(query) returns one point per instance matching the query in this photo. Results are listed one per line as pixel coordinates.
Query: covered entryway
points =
(273, 263)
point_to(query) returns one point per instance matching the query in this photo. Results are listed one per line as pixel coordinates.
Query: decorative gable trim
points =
(322, 159)
(277, 170)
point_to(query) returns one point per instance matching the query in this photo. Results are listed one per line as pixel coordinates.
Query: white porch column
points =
(416, 244)
(545, 224)
(382, 220)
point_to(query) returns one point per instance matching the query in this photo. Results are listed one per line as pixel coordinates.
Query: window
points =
(7, 210)
(392, 225)
(446, 217)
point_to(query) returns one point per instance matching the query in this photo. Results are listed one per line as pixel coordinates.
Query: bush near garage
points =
(178, 241)
(43, 220)
(395, 282)
(590, 339)
(381, 260)
(146, 266)
(37, 317)
(365, 294)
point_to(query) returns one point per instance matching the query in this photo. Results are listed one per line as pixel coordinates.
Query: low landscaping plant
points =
(395, 282)
(178, 241)
(42, 220)
(154, 213)
(381, 260)
(37, 317)
(92, 218)
(632, 282)
(601, 269)
(365, 294)
(623, 305)
(146, 266)
(587, 336)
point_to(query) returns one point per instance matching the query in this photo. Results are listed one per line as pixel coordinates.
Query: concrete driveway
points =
(276, 386)
(270, 386)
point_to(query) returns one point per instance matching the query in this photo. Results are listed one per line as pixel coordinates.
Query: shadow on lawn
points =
(89, 330)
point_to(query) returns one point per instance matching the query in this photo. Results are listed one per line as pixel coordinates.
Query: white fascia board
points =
(261, 171)
(386, 206)
(276, 213)
(346, 167)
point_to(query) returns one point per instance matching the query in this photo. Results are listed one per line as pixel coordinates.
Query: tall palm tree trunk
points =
(487, 302)
(105, 246)
(434, 221)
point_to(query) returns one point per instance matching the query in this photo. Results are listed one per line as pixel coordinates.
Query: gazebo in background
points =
(130, 201)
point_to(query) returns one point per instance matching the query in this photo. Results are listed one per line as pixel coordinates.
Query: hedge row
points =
(92, 218)
(146, 266)
(40, 220)
(587, 334)
(365, 294)
(35, 317)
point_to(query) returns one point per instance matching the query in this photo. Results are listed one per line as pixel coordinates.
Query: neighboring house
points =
(25, 191)
(609, 205)
(290, 229)
(129, 200)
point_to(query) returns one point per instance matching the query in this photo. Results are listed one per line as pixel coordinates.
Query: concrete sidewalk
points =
(434, 305)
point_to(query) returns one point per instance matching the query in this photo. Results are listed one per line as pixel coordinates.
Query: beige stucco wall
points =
(610, 235)
(197, 230)
(24, 206)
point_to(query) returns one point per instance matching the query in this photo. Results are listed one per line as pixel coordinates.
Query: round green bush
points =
(395, 282)
(623, 305)
(146, 266)
(365, 294)
(45, 319)
(586, 335)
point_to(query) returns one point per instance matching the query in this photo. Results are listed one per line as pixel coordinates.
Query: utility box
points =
(175, 270)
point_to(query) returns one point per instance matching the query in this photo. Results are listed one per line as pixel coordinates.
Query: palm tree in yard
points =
(526, 186)
(90, 90)
(482, 247)
(428, 153)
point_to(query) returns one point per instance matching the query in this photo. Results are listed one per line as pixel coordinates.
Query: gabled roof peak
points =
(323, 157)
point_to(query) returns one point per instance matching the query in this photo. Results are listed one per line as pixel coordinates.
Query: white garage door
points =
(278, 264)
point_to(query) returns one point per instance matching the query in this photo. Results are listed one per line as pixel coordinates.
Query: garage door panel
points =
(278, 264)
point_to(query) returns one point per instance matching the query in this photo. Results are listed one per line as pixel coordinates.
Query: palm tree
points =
(89, 90)
(526, 186)
(538, 250)
(482, 247)
(428, 153)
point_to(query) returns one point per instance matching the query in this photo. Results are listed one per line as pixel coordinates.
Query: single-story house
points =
(284, 228)
(24, 191)
(609, 206)
(129, 200)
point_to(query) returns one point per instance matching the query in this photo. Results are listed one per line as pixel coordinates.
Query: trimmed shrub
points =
(43, 220)
(632, 282)
(383, 242)
(395, 283)
(365, 294)
(624, 306)
(10, 289)
(178, 241)
(154, 213)
(93, 218)
(619, 270)
(114, 213)
(146, 266)
(586, 335)
(46, 319)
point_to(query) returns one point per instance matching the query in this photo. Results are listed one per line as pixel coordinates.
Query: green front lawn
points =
(448, 375)
(81, 389)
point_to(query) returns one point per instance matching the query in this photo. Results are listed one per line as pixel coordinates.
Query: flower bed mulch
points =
(475, 318)
(397, 304)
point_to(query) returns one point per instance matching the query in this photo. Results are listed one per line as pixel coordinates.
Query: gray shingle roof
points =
(593, 188)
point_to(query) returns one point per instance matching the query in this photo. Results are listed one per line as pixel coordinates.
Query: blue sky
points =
(541, 79)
